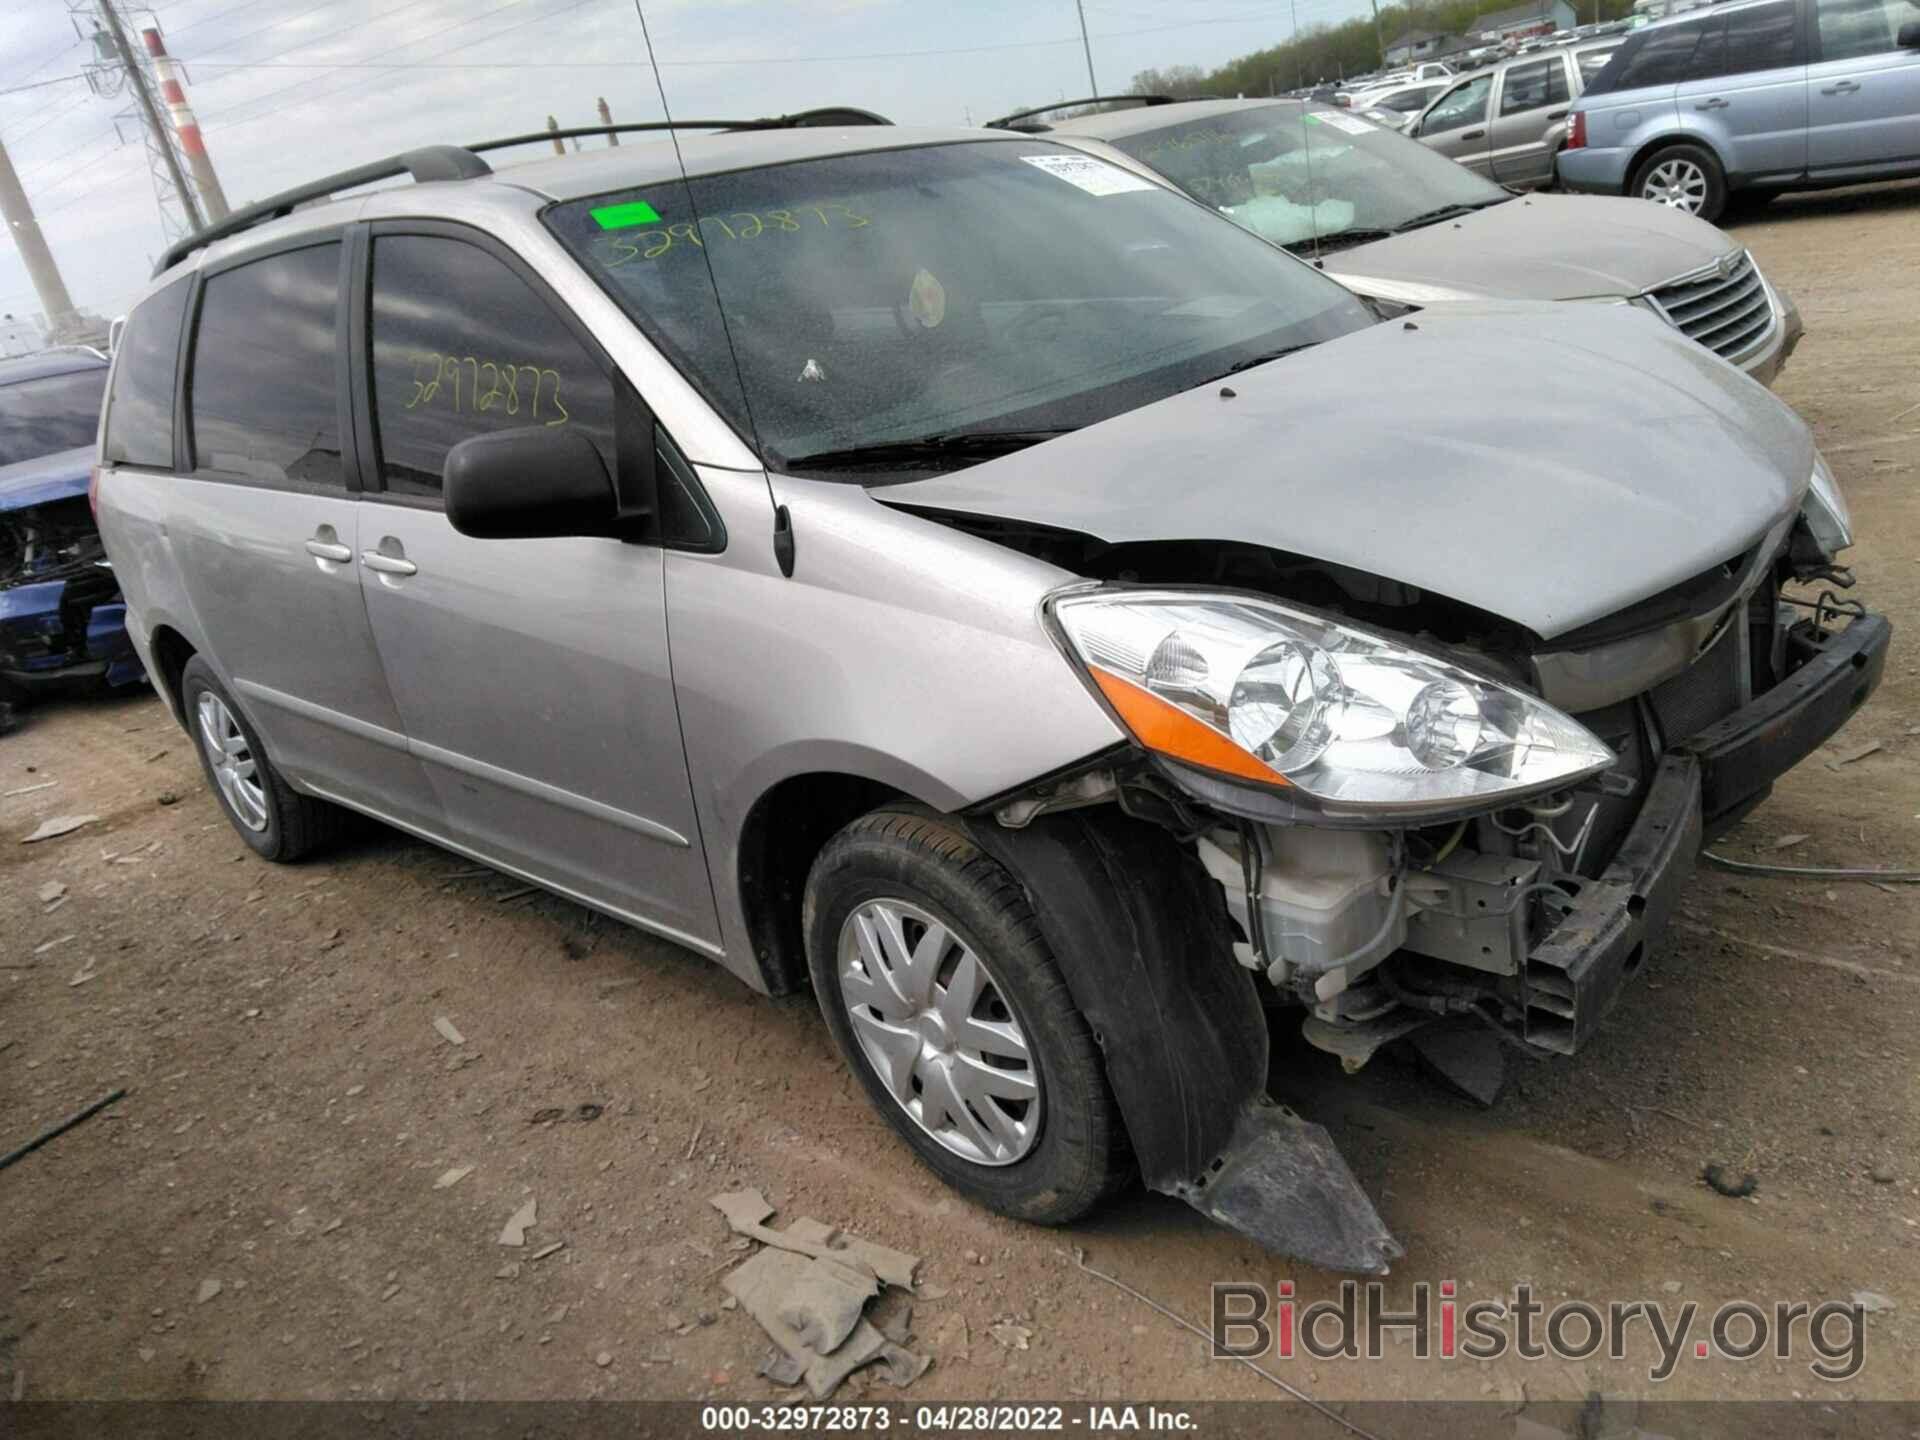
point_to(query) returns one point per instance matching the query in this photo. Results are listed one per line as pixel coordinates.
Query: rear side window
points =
(463, 346)
(1592, 62)
(263, 391)
(53, 413)
(1654, 57)
(140, 408)
(1766, 38)
(1530, 87)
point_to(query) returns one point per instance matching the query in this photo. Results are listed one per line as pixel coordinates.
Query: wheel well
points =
(1640, 155)
(783, 833)
(170, 655)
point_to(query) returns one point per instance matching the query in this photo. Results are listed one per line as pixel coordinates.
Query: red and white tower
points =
(192, 145)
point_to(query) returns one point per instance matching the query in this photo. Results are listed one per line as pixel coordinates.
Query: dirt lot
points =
(292, 1103)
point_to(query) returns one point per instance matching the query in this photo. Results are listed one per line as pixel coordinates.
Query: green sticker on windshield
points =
(623, 217)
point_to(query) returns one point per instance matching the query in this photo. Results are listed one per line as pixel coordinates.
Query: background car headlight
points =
(1350, 719)
(1826, 510)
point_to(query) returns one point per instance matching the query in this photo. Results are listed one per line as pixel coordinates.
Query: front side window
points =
(463, 346)
(1464, 105)
(897, 296)
(53, 413)
(263, 394)
(147, 363)
(1850, 29)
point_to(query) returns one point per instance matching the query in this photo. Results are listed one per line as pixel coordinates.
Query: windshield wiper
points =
(927, 451)
(1261, 359)
(1339, 239)
(1445, 212)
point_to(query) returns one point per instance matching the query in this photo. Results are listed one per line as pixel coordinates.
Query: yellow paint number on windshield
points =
(613, 251)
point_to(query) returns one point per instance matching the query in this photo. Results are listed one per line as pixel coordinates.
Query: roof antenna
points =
(782, 521)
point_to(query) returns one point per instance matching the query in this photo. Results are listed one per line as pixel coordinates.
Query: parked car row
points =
(964, 573)
(1392, 220)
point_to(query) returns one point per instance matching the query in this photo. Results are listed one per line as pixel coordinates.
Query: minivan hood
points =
(1542, 247)
(1550, 464)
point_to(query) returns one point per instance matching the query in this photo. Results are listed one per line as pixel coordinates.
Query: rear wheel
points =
(947, 1005)
(276, 820)
(1682, 177)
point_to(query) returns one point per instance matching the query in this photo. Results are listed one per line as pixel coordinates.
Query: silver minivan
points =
(1747, 100)
(972, 580)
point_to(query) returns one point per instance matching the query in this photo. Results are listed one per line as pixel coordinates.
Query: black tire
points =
(1080, 1155)
(1747, 204)
(1714, 197)
(295, 825)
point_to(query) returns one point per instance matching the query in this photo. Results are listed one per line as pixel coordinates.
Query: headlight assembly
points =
(1826, 512)
(1352, 722)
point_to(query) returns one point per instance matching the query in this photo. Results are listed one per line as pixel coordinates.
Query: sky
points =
(289, 90)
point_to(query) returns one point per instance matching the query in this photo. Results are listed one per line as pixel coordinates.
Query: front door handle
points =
(1556, 115)
(326, 550)
(1474, 135)
(388, 564)
(1716, 103)
(1845, 87)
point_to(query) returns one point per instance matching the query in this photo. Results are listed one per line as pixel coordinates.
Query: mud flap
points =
(1282, 1182)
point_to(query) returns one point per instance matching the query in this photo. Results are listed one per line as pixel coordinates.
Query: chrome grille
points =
(1728, 313)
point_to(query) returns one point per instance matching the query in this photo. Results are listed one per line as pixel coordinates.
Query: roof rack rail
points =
(457, 162)
(1007, 122)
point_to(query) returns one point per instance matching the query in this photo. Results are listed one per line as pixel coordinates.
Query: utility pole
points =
(606, 118)
(143, 97)
(1093, 85)
(1379, 37)
(184, 123)
(17, 213)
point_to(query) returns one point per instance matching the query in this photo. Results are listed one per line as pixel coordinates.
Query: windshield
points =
(900, 295)
(1296, 174)
(56, 412)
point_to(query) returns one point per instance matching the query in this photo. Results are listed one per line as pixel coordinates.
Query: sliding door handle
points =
(388, 564)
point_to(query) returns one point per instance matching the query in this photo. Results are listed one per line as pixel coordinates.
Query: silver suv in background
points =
(1509, 122)
(961, 575)
(1752, 99)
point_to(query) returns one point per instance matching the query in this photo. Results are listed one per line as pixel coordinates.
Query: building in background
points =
(1523, 22)
(1416, 45)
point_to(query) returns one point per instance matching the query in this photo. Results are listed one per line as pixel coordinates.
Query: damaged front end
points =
(1469, 840)
(62, 619)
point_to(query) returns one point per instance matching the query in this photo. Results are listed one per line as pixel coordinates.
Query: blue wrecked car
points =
(62, 623)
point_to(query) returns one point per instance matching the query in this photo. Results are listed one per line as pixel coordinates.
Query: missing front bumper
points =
(1574, 976)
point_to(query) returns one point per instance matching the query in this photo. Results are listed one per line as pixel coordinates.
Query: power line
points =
(38, 84)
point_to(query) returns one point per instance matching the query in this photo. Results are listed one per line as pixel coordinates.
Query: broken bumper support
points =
(1574, 976)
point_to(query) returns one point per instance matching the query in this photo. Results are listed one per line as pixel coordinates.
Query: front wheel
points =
(1682, 177)
(947, 1005)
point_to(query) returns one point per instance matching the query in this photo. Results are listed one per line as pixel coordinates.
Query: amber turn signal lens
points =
(1172, 732)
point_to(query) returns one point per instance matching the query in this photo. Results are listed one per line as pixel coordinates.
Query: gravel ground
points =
(261, 1216)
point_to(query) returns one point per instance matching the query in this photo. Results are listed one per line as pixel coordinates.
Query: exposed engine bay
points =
(1508, 925)
(62, 620)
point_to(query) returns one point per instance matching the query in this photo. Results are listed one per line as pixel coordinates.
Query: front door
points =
(267, 528)
(532, 676)
(1533, 96)
(1863, 89)
(1456, 125)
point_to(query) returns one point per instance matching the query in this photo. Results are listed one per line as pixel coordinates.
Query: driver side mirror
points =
(529, 483)
(1909, 36)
